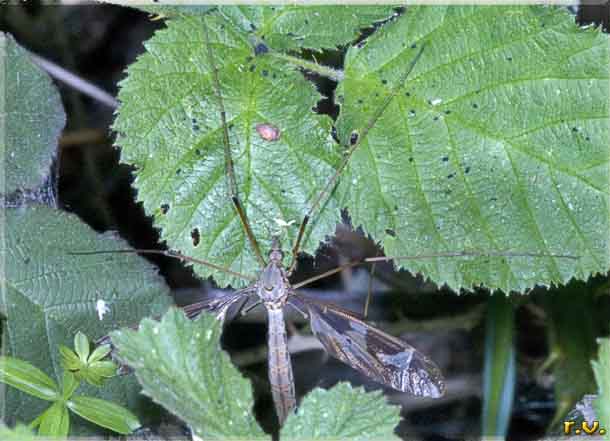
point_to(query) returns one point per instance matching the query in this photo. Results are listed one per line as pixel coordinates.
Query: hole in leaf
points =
(195, 236)
(164, 208)
(390, 233)
(261, 48)
(353, 139)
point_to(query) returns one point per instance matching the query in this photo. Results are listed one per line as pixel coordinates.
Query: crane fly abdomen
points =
(280, 367)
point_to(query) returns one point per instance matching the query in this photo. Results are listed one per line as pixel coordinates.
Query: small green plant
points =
(86, 365)
(79, 365)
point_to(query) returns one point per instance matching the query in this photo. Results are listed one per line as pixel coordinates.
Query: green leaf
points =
(498, 141)
(27, 378)
(343, 413)
(499, 367)
(104, 413)
(35, 422)
(51, 295)
(169, 128)
(18, 433)
(575, 319)
(165, 10)
(69, 385)
(291, 27)
(81, 346)
(181, 366)
(97, 372)
(99, 353)
(601, 367)
(55, 421)
(69, 359)
(32, 116)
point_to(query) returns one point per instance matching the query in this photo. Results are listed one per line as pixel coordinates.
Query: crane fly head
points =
(276, 255)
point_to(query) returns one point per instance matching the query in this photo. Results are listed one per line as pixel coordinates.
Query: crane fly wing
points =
(217, 306)
(382, 357)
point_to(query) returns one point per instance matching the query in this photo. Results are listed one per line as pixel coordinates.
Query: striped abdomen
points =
(280, 368)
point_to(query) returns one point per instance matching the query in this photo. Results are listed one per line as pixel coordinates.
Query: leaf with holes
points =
(169, 128)
(51, 295)
(181, 366)
(343, 413)
(497, 142)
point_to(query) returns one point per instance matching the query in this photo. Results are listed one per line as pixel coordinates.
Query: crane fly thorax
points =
(272, 287)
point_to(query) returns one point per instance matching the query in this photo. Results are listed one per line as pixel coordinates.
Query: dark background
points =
(97, 43)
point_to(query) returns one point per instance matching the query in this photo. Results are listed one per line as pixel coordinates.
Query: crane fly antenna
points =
(373, 260)
(471, 254)
(229, 168)
(173, 254)
(330, 185)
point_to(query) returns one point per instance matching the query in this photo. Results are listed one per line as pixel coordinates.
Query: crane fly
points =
(345, 335)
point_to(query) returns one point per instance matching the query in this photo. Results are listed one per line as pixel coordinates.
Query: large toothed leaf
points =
(51, 295)
(31, 119)
(497, 142)
(343, 413)
(169, 128)
(293, 27)
(180, 365)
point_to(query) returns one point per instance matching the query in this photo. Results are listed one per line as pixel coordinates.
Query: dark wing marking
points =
(380, 356)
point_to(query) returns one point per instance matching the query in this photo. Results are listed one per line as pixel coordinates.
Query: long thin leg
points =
(173, 254)
(229, 168)
(330, 185)
(369, 293)
(372, 260)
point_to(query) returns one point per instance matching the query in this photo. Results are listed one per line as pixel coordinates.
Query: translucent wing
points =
(382, 357)
(217, 306)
